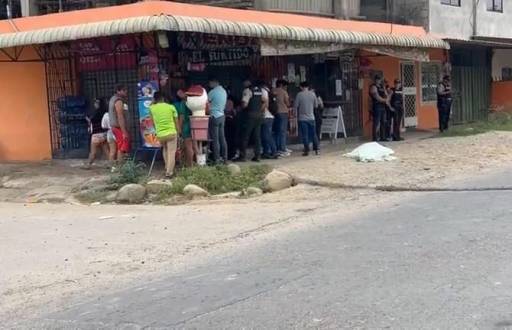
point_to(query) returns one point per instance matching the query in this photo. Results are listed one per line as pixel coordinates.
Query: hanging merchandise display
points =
(145, 92)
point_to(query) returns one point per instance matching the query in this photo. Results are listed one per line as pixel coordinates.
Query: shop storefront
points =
(81, 71)
(170, 49)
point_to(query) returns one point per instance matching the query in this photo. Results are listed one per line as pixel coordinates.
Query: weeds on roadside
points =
(217, 180)
(498, 122)
(129, 172)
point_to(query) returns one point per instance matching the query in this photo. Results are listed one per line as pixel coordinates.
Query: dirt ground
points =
(422, 162)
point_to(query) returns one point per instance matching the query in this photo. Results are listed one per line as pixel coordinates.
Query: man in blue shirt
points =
(218, 98)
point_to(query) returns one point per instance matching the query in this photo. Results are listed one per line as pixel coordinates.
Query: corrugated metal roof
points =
(493, 42)
(214, 26)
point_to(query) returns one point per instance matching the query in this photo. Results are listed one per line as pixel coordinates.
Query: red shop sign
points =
(99, 54)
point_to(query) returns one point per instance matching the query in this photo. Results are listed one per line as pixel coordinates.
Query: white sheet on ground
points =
(371, 152)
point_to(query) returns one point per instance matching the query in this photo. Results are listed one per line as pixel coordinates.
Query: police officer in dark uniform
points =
(444, 103)
(253, 102)
(379, 103)
(397, 110)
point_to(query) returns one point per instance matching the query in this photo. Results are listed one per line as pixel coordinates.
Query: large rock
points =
(157, 186)
(191, 190)
(234, 169)
(277, 180)
(131, 193)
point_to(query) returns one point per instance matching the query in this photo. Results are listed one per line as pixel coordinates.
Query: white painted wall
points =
(502, 58)
(451, 21)
(457, 22)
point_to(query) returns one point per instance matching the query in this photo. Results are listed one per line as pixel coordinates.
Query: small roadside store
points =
(58, 64)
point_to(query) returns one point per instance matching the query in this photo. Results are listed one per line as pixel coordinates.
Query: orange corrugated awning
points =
(169, 16)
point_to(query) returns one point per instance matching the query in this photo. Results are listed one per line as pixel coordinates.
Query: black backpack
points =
(272, 103)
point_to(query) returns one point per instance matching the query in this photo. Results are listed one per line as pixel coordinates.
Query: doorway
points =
(408, 74)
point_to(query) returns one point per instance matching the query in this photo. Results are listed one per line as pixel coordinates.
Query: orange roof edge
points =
(154, 8)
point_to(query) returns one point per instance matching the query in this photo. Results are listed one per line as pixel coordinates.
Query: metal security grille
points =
(75, 79)
(65, 127)
(408, 73)
(352, 108)
(471, 88)
(102, 84)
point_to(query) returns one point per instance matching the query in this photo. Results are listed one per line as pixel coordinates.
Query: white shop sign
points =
(333, 123)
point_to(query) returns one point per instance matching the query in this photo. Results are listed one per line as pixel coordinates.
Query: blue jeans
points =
(269, 145)
(308, 134)
(281, 131)
(220, 146)
(379, 123)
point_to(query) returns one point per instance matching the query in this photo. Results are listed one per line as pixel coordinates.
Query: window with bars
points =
(495, 5)
(430, 77)
(455, 3)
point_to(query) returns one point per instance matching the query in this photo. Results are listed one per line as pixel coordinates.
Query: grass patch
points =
(497, 122)
(217, 180)
(129, 172)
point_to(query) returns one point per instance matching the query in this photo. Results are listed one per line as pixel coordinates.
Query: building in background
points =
(347, 9)
(481, 48)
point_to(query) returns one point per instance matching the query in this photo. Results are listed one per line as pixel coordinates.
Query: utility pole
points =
(475, 17)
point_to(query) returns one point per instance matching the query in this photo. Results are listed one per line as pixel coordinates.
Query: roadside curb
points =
(336, 185)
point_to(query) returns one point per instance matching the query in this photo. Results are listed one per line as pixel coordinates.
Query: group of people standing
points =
(261, 117)
(387, 108)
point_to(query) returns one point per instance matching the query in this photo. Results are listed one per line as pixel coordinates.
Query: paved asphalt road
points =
(437, 261)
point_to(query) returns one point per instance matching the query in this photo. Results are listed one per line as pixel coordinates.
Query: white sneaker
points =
(289, 151)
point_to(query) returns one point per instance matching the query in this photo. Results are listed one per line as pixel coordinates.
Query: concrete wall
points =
(408, 12)
(347, 9)
(24, 128)
(411, 12)
(312, 7)
(457, 22)
(500, 96)
(502, 58)
(501, 89)
(492, 24)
